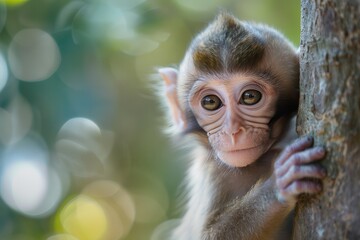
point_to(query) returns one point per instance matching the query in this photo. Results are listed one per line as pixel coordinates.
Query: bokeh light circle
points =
(84, 218)
(28, 184)
(83, 147)
(82, 130)
(118, 203)
(104, 210)
(24, 185)
(33, 55)
(87, 133)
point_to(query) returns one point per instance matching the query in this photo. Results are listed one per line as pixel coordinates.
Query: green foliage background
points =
(109, 50)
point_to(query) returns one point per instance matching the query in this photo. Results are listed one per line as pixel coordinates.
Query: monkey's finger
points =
(303, 186)
(298, 172)
(299, 145)
(299, 158)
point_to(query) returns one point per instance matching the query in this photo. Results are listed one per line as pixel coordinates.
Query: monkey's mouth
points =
(241, 157)
(238, 150)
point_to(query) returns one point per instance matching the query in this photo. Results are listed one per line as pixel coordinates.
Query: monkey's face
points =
(236, 113)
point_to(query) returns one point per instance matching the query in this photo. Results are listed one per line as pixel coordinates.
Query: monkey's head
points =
(235, 89)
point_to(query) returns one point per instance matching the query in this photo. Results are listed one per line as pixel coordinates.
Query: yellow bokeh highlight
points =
(13, 2)
(84, 218)
(104, 211)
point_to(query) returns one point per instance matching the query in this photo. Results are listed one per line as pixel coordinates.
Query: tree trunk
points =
(330, 111)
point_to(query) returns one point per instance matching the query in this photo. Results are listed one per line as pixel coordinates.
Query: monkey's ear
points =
(169, 75)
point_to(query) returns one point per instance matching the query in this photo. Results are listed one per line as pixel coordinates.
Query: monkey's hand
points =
(297, 170)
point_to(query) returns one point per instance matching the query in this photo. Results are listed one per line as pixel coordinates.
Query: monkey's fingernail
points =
(308, 138)
(320, 150)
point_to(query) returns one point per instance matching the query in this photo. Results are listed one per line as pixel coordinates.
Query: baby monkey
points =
(236, 94)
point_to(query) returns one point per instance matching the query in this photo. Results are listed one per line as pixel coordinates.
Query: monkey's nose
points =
(235, 134)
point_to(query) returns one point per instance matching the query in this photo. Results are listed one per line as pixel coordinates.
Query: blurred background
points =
(82, 150)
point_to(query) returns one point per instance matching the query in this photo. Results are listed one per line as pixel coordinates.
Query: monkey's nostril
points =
(235, 132)
(234, 135)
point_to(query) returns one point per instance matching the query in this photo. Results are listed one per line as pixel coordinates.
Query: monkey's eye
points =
(250, 97)
(211, 102)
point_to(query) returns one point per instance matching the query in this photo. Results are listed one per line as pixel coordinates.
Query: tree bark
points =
(330, 111)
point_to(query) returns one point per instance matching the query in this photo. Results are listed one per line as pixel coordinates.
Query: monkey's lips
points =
(241, 157)
(238, 150)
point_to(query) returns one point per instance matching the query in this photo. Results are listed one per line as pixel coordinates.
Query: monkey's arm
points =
(262, 211)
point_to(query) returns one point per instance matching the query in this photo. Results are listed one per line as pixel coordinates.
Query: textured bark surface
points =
(330, 111)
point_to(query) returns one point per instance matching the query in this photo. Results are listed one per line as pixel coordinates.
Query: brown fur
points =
(227, 45)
